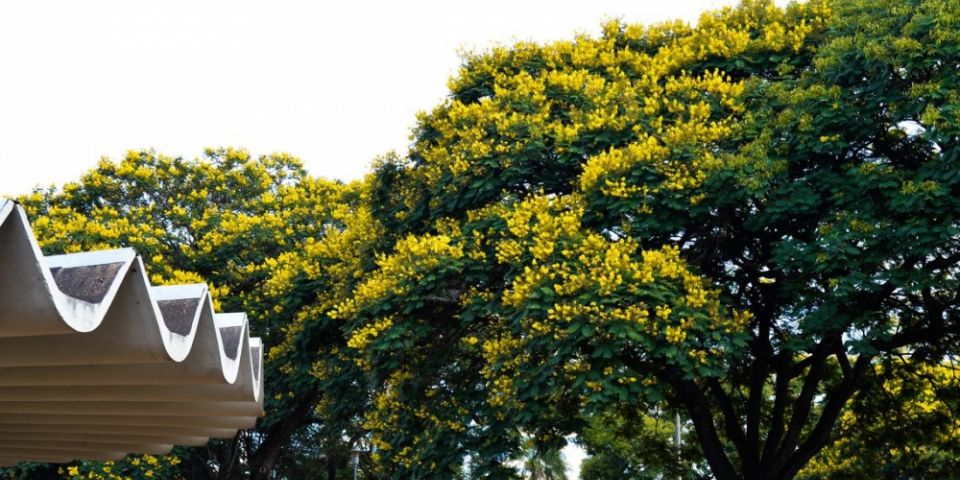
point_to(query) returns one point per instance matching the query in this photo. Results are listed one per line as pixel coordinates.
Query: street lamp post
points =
(676, 439)
(355, 459)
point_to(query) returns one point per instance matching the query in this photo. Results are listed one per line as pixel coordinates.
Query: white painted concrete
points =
(99, 378)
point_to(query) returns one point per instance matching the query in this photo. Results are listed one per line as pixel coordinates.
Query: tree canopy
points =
(740, 219)
(752, 221)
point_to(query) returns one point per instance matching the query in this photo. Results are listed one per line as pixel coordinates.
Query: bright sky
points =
(335, 83)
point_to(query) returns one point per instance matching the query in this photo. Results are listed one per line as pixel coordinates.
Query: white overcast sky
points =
(334, 83)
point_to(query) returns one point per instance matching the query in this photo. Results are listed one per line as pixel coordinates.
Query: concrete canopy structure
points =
(96, 363)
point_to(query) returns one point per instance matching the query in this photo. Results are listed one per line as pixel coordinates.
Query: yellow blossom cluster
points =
(673, 151)
(571, 276)
(444, 413)
(396, 272)
(334, 256)
(65, 230)
(362, 337)
(632, 82)
(144, 467)
(504, 357)
(920, 388)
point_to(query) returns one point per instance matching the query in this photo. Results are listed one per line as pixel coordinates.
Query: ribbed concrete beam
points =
(89, 438)
(121, 430)
(96, 363)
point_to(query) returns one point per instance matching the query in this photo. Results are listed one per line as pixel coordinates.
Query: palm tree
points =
(543, 464)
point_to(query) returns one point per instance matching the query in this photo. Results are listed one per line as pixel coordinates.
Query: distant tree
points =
(639, 445)
(902, 425)
(543, 464)
(223, 219)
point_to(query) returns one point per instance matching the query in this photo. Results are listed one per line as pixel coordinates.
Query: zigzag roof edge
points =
(78, 293)
(82, 329)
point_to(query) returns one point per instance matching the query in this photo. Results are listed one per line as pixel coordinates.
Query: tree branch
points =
(762, 351)
(804, 402)
(785, 373)
(820, 436)
(695, 402)
(731, 419)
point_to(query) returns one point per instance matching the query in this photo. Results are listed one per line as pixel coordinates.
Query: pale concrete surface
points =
(96, 363)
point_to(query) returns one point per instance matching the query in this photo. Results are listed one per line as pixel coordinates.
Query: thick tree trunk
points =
(263, 460)
(331, 469)
(720, 465)
(699, 411)
(228, 459)
(784, 457)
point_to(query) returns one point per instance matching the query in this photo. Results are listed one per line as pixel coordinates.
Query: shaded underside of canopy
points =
(96, 363)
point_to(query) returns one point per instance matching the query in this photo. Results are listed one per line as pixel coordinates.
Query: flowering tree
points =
(223, 219)
(739, 220)
(753, 221)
